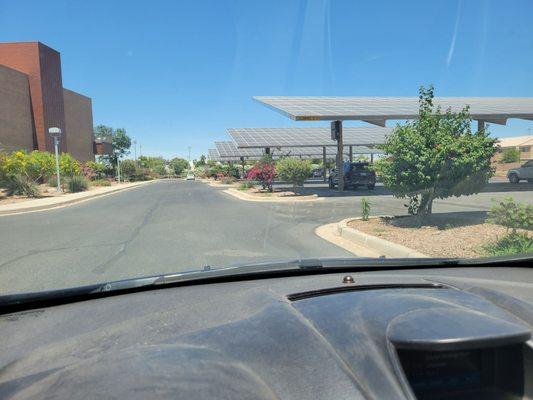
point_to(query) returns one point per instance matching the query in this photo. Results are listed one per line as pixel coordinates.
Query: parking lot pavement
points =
(496, 189)
(173, 226)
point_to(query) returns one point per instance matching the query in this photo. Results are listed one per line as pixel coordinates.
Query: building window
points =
(525, 149)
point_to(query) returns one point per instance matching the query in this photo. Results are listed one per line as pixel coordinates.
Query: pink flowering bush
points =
(264, 172)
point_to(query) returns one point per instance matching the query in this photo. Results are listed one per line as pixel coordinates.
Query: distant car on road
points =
(525, 172)
(190, 176)
(355, 174)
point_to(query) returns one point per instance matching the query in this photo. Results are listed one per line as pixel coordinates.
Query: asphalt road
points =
(172, 226)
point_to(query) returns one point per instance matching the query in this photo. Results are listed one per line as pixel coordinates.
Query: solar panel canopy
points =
(214, 156)
(228, 150)
(312, 136)
(377, 110)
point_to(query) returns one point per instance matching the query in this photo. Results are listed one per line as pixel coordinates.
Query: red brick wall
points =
(79, 120)
(16, 126)
(43, 67)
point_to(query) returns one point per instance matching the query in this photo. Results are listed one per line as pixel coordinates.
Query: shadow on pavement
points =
(443, 220)
(321, 189)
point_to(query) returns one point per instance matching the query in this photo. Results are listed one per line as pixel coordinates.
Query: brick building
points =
(33, 99)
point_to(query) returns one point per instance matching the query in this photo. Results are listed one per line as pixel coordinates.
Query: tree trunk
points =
(426, 206)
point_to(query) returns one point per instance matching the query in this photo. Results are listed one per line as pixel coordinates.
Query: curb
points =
(68, 202)
(247, 197)
(349, 238)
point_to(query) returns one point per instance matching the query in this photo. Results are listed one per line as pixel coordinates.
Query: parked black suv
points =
(355, 174)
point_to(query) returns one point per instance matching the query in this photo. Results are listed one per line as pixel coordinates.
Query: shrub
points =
(512, 215)
(142, 174)
(128, 168)
(510, 155)
(40, 165)
(246, 185)
(36, 165)
(68, 165)
(101, 182)
(77, 183)
(294, 171)
(511, 244)
(365, 208)
(21, 185)
(160, 170)
(98, 168)
(264, 172)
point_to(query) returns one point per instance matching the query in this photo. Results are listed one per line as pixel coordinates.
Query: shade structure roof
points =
(214, 156)
(311, 136)
(227, 150)
(377, 110)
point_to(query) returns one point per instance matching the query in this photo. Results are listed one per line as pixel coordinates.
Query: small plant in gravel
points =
(365, 208)
(512, 215)
(511, 244)
(77, 183)
(21, 185)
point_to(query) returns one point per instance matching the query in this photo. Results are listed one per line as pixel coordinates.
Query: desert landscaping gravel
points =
(444, 241)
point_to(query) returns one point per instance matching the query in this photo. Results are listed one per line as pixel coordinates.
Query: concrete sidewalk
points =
(64, 200)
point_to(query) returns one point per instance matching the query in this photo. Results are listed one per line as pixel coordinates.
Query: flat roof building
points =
(33, 99)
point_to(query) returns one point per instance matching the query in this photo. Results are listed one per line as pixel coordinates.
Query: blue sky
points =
(177, 73)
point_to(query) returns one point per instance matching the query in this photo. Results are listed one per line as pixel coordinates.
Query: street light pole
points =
(56, 134)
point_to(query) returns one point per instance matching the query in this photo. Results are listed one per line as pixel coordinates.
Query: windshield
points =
(153, 138)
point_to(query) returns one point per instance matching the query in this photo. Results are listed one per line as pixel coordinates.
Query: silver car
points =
(190, 176)
(515, 175)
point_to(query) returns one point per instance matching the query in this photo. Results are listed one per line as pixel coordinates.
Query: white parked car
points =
(190, 176)
(515, 175)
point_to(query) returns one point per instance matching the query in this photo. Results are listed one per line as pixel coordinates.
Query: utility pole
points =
(189, 147)
(135, 150)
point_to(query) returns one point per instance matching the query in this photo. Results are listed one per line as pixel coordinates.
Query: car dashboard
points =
(447, 333)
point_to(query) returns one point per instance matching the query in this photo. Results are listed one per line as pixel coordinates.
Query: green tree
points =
(293, 170)
(201, 162)
(510, 155)
(151, 162)
(178, 165)
(128, 168)
(436, 156)
(119, 139)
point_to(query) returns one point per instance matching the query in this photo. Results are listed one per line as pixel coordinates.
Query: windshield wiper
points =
(19, 301)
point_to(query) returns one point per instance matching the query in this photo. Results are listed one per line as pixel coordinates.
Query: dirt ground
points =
(439, 238)
(275, 193)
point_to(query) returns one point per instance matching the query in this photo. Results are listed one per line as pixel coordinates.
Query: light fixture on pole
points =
(56, 134)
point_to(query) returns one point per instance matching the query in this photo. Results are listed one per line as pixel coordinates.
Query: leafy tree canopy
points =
(119, 139)
(178, 165)
(436, 156)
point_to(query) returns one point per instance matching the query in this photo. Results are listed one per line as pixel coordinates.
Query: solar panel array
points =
(312, 136)
(214, 156)
(228, 151)
(379, 109)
